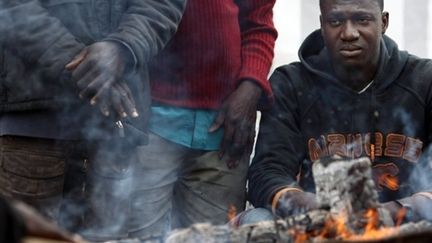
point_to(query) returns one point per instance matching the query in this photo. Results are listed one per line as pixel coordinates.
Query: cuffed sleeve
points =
(279, 150)
(258, 39)
(147, 26)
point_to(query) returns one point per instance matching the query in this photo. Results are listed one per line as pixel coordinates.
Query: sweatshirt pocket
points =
(34, 174)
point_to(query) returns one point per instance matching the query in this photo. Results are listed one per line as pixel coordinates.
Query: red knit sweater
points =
(218, 44)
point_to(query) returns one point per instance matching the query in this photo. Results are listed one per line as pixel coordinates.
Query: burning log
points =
(345, 185)
(261, 233)
(350, 212)
(283, 232)
(347, 188)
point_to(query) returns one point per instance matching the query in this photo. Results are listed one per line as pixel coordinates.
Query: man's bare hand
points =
(238, 117)
(296, 202)
(97, 67)
(111, 94)
(120, 99)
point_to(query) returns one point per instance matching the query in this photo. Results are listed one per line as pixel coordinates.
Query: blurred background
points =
(410, 26)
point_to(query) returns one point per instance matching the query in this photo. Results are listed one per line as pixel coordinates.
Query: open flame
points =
(390, 181)
(232, 212)
(336, 227)
(372, 229)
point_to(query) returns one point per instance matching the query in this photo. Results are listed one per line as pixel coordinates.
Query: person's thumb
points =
(76, 60)
(219, 121)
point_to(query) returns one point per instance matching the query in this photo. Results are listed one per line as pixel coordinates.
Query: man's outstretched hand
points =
(97, 67)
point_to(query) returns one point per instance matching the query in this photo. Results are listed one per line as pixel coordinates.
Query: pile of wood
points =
(344, 188)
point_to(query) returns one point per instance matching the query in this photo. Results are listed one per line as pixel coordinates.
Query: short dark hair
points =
(380, 4)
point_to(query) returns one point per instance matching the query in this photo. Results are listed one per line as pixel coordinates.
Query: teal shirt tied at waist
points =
(187, 127)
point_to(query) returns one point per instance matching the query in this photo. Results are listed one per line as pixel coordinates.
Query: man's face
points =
(352, 30)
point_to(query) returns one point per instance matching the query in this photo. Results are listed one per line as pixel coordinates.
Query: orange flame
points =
(400, 216)
(299, 235)
(232, 212)
(372, 217)
(336, 227)
(390, 181)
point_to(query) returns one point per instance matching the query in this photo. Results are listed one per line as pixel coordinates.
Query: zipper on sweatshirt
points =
(374, 121)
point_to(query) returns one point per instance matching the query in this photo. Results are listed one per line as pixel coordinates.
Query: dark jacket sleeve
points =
(279, 150)
(40, 37)
(12, 228)
(147, 26)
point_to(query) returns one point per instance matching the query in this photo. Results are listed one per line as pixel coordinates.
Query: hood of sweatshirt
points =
(315, 57)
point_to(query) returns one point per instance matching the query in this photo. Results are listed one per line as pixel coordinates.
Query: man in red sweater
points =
(206, 86)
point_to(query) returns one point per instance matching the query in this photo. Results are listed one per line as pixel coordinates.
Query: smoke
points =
(410, 125)
(421, 180)
(421, 177)
(98, 180)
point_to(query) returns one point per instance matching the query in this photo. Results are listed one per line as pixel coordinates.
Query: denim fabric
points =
(107, 191)
(177, 186)
(254, 215)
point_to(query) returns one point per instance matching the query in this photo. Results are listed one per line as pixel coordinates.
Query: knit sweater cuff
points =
(256, 74)
(256, 62)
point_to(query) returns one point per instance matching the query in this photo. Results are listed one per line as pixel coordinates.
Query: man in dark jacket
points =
(71, 73)
(353, 94)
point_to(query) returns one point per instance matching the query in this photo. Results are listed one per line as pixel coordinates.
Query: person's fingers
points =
(127, 99)
(83, 81)
(242, 155)
(76, 60)
(240, 139)
(219, 121)
(116, 101)
(227, 138)
(102, 92)
(104, 107)
(84, 73)
(99, 85)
